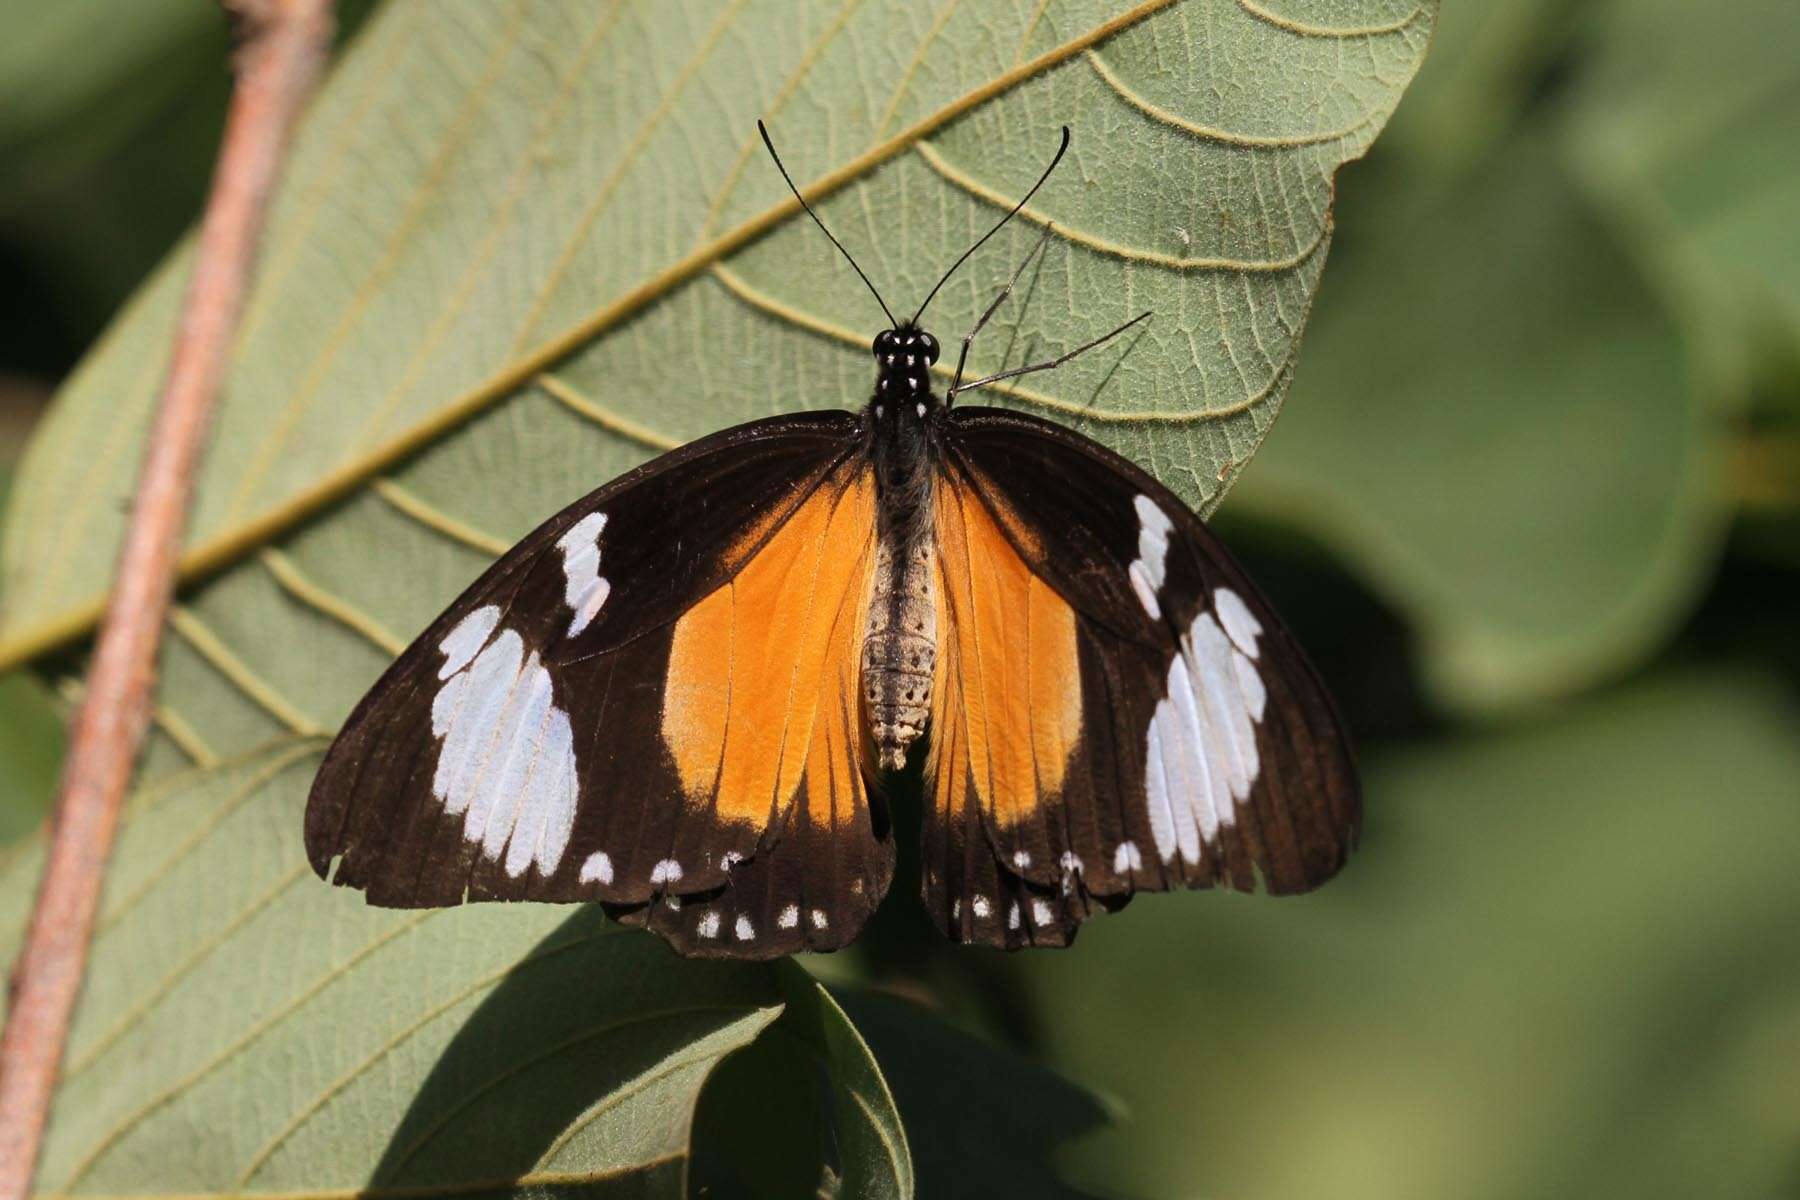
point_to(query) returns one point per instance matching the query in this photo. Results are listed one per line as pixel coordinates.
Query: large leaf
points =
(522, 246)
(753, 1134)
(497, 205)
(985, 1122)
(1565, 963)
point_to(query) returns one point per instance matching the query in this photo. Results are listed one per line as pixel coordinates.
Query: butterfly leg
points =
(969, 338)
(1058, 361)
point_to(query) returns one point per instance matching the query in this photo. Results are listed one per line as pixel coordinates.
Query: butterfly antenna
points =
(1011, 213)
(762, 129)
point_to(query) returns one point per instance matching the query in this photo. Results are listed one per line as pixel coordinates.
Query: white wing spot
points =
(956, 909)
(666, 871)
(1071, 862)
(729, 859)
(790, 917)
(819, 919)
(1240, 623)
(744, 930)
(506, 753)
(980, 906)
(1148, 569)
(1126, 858)
(469, 636)
(584, 591)
(1041, 913)
(674, 903)
(1200, 752)
(1012, 917)
(709, 925)
(597, 868)
(1021, 859)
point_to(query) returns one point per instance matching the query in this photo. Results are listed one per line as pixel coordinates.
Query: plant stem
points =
(281, 46)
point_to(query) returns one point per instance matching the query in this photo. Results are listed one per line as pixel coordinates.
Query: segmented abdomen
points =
(899, 652)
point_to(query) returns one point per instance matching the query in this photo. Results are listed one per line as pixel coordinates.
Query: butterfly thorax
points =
(900, 643)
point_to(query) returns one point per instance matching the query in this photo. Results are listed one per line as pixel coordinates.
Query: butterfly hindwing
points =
(649, 702)
(1117, 708)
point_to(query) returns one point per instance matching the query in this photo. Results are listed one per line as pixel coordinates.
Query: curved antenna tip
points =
(789, 180)
(1061, 149)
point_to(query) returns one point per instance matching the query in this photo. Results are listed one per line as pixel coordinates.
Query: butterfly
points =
(688, 695)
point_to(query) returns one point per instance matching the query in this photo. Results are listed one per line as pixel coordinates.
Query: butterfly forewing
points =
(1118, 709)
(649, 702)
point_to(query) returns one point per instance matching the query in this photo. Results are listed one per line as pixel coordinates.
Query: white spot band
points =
(1149, 568)
(584, 591)
(1200, 753)
(506, 753)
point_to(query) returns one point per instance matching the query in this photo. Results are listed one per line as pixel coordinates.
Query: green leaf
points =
(31, 742)
(540, 238)
(31, 732)
(1501, 433)
(985, 1121)
(753, 1133)
(520, 247)
(1565, 962)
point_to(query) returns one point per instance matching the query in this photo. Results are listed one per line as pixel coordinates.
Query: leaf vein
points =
(135, 1016)
(177, 728)
(419, 203)
(500, 222)
(566, 395)
(225, 661)
(425, 514)
(269, 772)
(1111, 249)
(1305, 29)
(297, 585)
(782, 95)
(920, 47)
(308, 1110)
(597, 206)
(1213, 133)
(181, 1086)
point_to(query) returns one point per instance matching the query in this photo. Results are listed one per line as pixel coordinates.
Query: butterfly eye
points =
(930, 346)
(884, 343)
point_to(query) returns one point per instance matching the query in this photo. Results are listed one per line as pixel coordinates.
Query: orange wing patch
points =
(1007, 696)
(762, 680)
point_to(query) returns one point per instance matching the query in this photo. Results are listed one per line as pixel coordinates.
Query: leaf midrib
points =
(229, 546)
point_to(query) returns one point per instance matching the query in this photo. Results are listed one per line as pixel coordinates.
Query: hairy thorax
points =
(899, 648)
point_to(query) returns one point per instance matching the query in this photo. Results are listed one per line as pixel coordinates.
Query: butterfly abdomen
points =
(899, 650)
(899, 653)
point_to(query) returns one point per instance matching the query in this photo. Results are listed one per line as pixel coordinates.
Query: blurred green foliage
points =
(1533, 503)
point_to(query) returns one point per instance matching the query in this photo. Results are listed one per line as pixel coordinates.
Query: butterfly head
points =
(903, 358)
